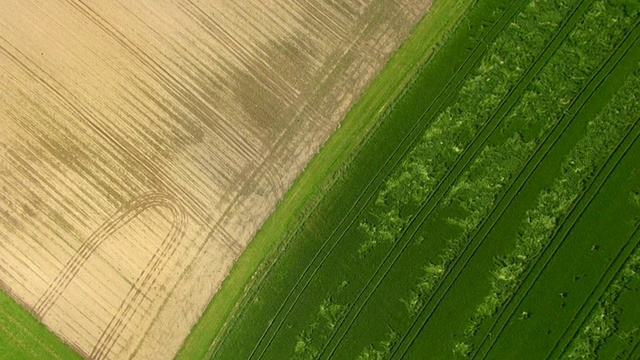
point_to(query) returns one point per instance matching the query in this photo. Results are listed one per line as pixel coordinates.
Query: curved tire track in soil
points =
(147, 277)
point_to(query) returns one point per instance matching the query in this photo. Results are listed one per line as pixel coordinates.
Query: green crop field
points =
(493, 211)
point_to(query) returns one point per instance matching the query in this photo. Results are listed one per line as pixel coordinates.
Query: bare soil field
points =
(142, 145)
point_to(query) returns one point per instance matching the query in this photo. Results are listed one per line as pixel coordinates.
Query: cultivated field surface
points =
(493, 214)
(143, 143)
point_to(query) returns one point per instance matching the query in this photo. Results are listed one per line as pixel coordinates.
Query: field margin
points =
(22, 336)
(322, 172)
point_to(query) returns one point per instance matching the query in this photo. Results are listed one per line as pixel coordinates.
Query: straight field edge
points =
(321, 172)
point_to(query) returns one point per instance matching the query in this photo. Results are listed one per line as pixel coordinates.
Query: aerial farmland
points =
(143, 143)
(320, 179)
(493, 213)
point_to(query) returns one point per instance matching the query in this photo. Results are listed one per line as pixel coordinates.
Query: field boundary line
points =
(570, 214)
(615, 51)
(16, 324)
(148, 275)
(366, 202)
(445, 176)
(480, 44)
(335, 175)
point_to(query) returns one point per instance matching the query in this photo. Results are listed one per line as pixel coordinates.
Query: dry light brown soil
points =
(142, 144)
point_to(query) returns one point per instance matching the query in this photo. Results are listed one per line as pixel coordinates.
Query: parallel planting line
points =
(497, 116)
(370, 190)
(618, 54)
(576, 210)
(522, 177)
(412, 137)
(582, 306)
(596, 294)
(379, 179)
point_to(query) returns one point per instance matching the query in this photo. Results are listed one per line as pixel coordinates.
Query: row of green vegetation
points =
(603, 323)
(564, 82)
(468, 203)
(555, 203)
(479, 188)
(472, 194)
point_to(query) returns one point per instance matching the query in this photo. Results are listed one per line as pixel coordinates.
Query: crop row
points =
(447, 144)
(555, 203)
(478, 195)
(437, 269)
(603, 321)
(470, 163)
(450, 134)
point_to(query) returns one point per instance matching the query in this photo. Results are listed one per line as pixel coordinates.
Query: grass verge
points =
(320, 173)
(23, 337)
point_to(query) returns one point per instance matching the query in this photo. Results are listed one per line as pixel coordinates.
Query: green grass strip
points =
(311, 185)
(23, 337)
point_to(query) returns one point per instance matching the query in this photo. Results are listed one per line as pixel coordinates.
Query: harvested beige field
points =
(143, 143)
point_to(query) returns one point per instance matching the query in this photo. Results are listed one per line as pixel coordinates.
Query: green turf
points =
(23, 337)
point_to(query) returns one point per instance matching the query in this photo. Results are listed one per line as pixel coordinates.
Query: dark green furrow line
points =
(575, 213)
(503, 109)
(600, 73)
(365, 198)
(596, 294)
(392, 162)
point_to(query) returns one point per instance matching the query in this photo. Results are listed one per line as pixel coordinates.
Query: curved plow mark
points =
(146, 278)
(145, 281)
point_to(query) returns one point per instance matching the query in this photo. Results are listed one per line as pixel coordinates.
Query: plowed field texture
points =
(142, 145)
(493, 213)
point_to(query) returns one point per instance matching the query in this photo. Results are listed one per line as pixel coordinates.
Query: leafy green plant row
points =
(478, 195)
(554, 204)
(453, 130)
(436, 270)
(604, 316)
(460, 74)
(443, 138)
